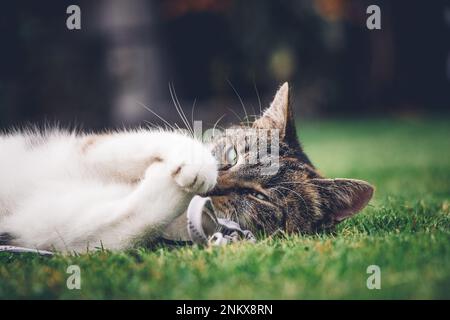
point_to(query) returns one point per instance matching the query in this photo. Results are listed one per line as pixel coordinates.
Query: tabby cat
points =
(69, 191)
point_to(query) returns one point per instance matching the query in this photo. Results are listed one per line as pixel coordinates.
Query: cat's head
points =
(293, 197)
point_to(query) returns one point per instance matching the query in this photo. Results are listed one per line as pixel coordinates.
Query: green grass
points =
(405, 231)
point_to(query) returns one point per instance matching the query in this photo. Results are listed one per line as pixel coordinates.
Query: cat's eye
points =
(259, 196)
(231, 156)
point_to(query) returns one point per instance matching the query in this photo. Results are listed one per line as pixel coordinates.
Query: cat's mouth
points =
(201, 224)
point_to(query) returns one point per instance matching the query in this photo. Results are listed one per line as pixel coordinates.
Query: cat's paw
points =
(194, 169)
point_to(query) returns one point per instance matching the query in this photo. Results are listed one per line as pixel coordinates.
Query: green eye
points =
(259, 196)
(231, 156)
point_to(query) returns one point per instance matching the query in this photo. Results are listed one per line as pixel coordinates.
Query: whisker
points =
(285, 204)
(150, 125)
(317, 186)
(280, 193)
(177, 126)
(179, 109)
(172, 95)
(254, 116)
(296, 193)
(154, 113)
(237, 116)
(309, 183)
(192, 111)
(217, 126)
(257, 95)
(235, 213)
(240, 99)
(216, 123)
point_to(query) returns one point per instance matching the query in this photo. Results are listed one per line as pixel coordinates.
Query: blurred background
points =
(216, 53)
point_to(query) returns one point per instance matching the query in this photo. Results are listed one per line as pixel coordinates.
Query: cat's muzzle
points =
(205, 227)
(202, 226)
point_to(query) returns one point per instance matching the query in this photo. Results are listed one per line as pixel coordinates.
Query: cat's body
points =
(66, 191)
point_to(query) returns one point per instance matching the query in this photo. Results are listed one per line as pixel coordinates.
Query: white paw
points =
(193, 167)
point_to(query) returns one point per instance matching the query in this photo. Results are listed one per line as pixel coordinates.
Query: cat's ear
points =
(279, 116)
(343, 198)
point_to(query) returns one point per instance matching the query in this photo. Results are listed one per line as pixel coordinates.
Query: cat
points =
(295, 198)
(73, 192)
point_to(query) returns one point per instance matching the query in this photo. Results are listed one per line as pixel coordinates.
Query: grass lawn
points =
(405, 231)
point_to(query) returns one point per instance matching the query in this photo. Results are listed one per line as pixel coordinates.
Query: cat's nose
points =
(216, 191)
(224, 185)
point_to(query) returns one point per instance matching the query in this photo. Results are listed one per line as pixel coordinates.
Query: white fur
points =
(73, 192)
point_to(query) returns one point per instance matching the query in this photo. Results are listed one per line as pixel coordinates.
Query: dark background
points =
(128, 52)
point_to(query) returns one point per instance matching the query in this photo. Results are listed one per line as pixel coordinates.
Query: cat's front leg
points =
(192, 166)
(186, 168)
(168, 186)
(125, 157)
